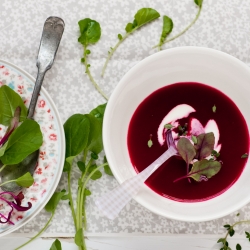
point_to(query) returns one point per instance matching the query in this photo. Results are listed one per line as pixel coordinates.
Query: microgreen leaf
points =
(150, 143)
(198, 2)
(244, 156)
(214, 109)
(81, 166)
(90, 31)
(166, 29)
(53, 202)
(194, 139)
(9, 101)
(168, 126)
(247, 235)
(107, 169)
(221, 240)
(78, 237)
(97, 174)
(238, 247)
(65, 197)
(231, 232)
(186, 149)
(87, 192)
(25, 181)
(26, 139)
(204, 168)
(94, 156)
(119, 36)
(204, 145)
(56, 245)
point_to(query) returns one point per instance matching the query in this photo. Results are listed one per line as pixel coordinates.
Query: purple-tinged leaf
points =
(203, 170)
(186, 150)
(13, 124)
(204, 145)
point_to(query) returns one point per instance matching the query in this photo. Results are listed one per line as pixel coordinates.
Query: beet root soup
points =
(210, 134)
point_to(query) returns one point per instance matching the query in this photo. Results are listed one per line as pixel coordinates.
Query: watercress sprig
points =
(90, 33)
(199, 4)
(83, 135)
(142, 17)
(231, 232)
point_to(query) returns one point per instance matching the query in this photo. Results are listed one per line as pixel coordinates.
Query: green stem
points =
(236, 223)
(2, 168)
(112, 52)
(181, 33)
(38, 234)
(7, 182)
(70, 196)
(89, 74)
(80, 199)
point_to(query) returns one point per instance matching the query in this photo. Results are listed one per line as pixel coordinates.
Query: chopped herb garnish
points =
(215, 153)
(168, 126)
(150, 143)
(244, 156)
(214, 108)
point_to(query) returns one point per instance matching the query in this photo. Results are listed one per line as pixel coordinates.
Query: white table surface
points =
(223, 25)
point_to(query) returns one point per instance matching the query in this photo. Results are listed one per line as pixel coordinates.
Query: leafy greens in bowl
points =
(51, 155)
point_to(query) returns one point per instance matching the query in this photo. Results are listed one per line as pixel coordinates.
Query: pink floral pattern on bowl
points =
(50, 162)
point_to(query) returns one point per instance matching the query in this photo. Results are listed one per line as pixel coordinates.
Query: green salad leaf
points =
(9, 101)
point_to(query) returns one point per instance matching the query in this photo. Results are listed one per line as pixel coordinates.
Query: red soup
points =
(234, 140)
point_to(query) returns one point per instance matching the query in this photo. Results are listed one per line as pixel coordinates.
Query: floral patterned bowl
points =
(51, 157)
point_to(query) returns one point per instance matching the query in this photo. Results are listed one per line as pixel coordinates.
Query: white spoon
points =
(115, 200)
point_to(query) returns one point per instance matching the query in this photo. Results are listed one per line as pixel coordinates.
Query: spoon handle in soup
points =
(113, 202)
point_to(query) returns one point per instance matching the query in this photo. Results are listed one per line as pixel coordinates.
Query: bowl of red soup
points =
(201, 96)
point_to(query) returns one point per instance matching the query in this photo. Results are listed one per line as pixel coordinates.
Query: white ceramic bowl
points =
(51, 158)
(184, 64)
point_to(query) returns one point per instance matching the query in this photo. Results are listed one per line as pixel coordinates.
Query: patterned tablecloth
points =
(223, 25)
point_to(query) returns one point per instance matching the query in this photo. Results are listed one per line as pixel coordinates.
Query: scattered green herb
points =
(199, 4)
(142, 17)
(150, 142)
(166, 30)
(168, 126)
(244, 156)
(90, 33)
(231, 232)
(214, 109)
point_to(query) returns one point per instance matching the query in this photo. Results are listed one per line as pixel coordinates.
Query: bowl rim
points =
(62, 147)
(108, 114)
